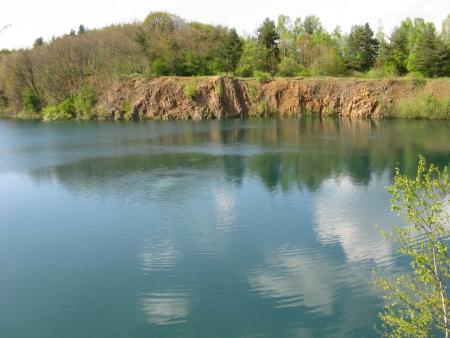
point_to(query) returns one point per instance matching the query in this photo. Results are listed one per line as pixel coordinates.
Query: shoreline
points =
(221, 97)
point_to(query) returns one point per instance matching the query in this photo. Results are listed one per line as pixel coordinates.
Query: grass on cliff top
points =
(423, 106)
(351, 77)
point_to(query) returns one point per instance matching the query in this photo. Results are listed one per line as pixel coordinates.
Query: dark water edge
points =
(233, 228)
(26, 117)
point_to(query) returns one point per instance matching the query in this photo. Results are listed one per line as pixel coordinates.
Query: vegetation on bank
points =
(49, 78)
(423, 106)
(418, 302)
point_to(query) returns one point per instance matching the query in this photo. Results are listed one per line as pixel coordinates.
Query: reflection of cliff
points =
(167, 173)
(282, 153)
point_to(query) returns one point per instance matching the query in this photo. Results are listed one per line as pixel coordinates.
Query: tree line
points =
(78, 66)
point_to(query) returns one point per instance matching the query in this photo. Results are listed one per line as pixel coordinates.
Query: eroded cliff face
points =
(226, 97)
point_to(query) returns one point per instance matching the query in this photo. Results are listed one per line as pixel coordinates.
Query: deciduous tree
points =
(418, 302)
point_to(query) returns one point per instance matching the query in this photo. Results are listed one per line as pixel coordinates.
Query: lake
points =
(236, 228)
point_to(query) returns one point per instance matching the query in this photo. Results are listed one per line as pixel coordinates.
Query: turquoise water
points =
(257, 228)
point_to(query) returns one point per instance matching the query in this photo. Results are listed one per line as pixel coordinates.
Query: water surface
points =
(256, 228)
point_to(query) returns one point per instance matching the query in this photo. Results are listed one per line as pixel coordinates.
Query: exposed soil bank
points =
(226, 97)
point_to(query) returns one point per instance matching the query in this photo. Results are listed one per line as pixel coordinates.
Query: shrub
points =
(251, 90)
(190, 89)
(159, 67)
(126, 108)
(304, 72)
(388, 69)
(262, 77)
(417, 78)
(244, 70)
(67, 106)
(424, 106)
(56, 113)
(31, 101)
(288, 67)
(83, 103)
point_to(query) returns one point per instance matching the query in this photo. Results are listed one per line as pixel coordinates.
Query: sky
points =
(30, 19)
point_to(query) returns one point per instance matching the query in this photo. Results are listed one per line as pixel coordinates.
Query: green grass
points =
(56, 113)
(126, 108)
(219, 88)
(190, 89)
(20, 116)
(424, 106)
(84, 102)
(262, 77)
(251, 90)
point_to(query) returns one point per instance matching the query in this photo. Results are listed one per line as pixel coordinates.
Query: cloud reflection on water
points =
(165, 308)
(225, 205)
(345, 213)
(158, 256)
(293, 278)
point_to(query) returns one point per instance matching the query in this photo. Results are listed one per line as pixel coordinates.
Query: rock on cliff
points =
(225, 97)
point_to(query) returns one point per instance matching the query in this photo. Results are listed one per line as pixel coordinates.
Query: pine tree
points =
(362, 48)
(81, 29)
(429, 56)
(38, 42)
(269, 39)
(231, 51)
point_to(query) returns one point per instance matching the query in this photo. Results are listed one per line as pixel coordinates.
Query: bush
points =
(425, 106)
(262, 77)
(64, 110)
(31, 101)
(244, 70)
(388, 69)
(288, 67)
(57, 112)
(251, 90)
(126, 108)
(190, 89)
(159, 67)
(304, 72)
(417, 78)
(83, 103)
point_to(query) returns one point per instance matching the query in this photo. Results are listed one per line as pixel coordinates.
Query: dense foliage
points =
(55, 71)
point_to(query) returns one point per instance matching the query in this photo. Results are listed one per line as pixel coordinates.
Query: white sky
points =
(30, 19)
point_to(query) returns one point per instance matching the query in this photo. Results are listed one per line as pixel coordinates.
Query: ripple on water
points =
(159, 256)
(165, 308)
(291, 278)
